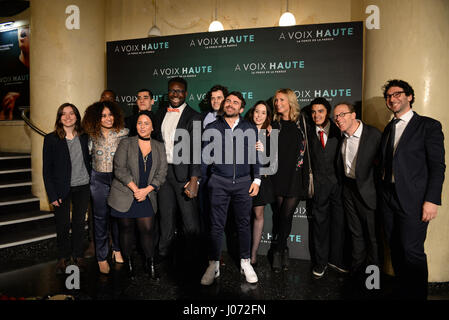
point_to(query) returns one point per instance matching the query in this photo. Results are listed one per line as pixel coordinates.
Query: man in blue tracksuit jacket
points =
(234, 178)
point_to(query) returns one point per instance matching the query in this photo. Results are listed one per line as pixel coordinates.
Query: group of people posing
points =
(136, 176)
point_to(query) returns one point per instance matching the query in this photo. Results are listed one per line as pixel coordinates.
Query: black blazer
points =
(324, 161)
(57, 167)
(366, 162)
(418, 162)
(183, 171)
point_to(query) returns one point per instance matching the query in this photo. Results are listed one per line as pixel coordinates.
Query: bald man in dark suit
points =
(356, 165)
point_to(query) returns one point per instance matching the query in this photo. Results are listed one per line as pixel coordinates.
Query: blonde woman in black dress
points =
(288, 182)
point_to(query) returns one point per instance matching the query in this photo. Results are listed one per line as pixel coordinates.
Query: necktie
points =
(389, 152)
(322, 138)
(172, 110)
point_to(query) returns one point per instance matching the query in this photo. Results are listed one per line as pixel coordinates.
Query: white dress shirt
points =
(350, 149)
(168, 129)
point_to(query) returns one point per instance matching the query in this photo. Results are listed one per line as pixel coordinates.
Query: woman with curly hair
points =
(104, 123)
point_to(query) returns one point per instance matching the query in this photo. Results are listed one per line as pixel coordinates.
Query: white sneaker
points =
(247, 269)
(212, 272)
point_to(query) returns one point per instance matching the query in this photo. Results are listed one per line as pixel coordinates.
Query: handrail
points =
(29, 122)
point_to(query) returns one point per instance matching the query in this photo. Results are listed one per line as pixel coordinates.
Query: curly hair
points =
(92, 117)
(408, 90)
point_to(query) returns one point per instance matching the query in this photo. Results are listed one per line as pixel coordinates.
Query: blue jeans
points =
(100, 185)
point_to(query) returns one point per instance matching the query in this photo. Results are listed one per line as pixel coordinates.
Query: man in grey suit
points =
(412, 164)
(356, 165)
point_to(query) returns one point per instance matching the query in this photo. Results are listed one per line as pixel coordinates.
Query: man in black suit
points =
(357, 158)
(179, 192)
(145, 101)
(327, 210)
(412, 163)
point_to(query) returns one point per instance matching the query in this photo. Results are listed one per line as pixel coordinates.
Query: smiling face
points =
(344, 119)
(107, 118)
(398, 105)
(215, 99)
(232, 106)
(319, 115)
(281, 104)
(176, 94)
(260, 115)
(144, 126)
(68, 117)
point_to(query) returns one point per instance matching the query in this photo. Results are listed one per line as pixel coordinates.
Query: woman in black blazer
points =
(66, 172)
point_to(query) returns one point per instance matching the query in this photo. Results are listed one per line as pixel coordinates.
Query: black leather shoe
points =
(151, 269)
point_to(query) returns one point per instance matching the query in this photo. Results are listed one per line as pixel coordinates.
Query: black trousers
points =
(405, 233)
(171, 199)
(78, 199)
(328, 224)
(362, 225)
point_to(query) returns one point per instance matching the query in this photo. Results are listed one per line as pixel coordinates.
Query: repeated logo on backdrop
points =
(323, 60)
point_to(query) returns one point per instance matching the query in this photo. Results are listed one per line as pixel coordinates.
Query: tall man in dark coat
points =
(357, 158)
(412, 163)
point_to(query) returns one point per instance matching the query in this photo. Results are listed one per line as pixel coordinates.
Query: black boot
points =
(130, 266)
(276, 261)
(151, 269)
(285, 259)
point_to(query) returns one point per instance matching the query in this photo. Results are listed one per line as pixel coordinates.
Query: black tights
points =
(127, 227)
(286, 207)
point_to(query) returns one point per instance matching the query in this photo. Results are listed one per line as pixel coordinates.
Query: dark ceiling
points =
(10, 8)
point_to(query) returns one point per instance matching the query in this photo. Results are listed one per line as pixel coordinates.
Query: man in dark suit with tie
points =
(328, 217)
(412, 155)
(174, 126)
(357, 158)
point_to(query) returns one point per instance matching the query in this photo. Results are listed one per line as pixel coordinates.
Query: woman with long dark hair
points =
(288, 181)
(140, 168)
(66, 173)
(104, 123)
(260, 114)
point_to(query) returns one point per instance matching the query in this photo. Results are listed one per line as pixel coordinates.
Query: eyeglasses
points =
(394, 94)
(177, 91)
(341, 115)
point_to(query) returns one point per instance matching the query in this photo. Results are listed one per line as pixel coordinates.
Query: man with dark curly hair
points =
(412, 170)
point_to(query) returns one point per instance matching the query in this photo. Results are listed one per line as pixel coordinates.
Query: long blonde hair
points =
(293, 103)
